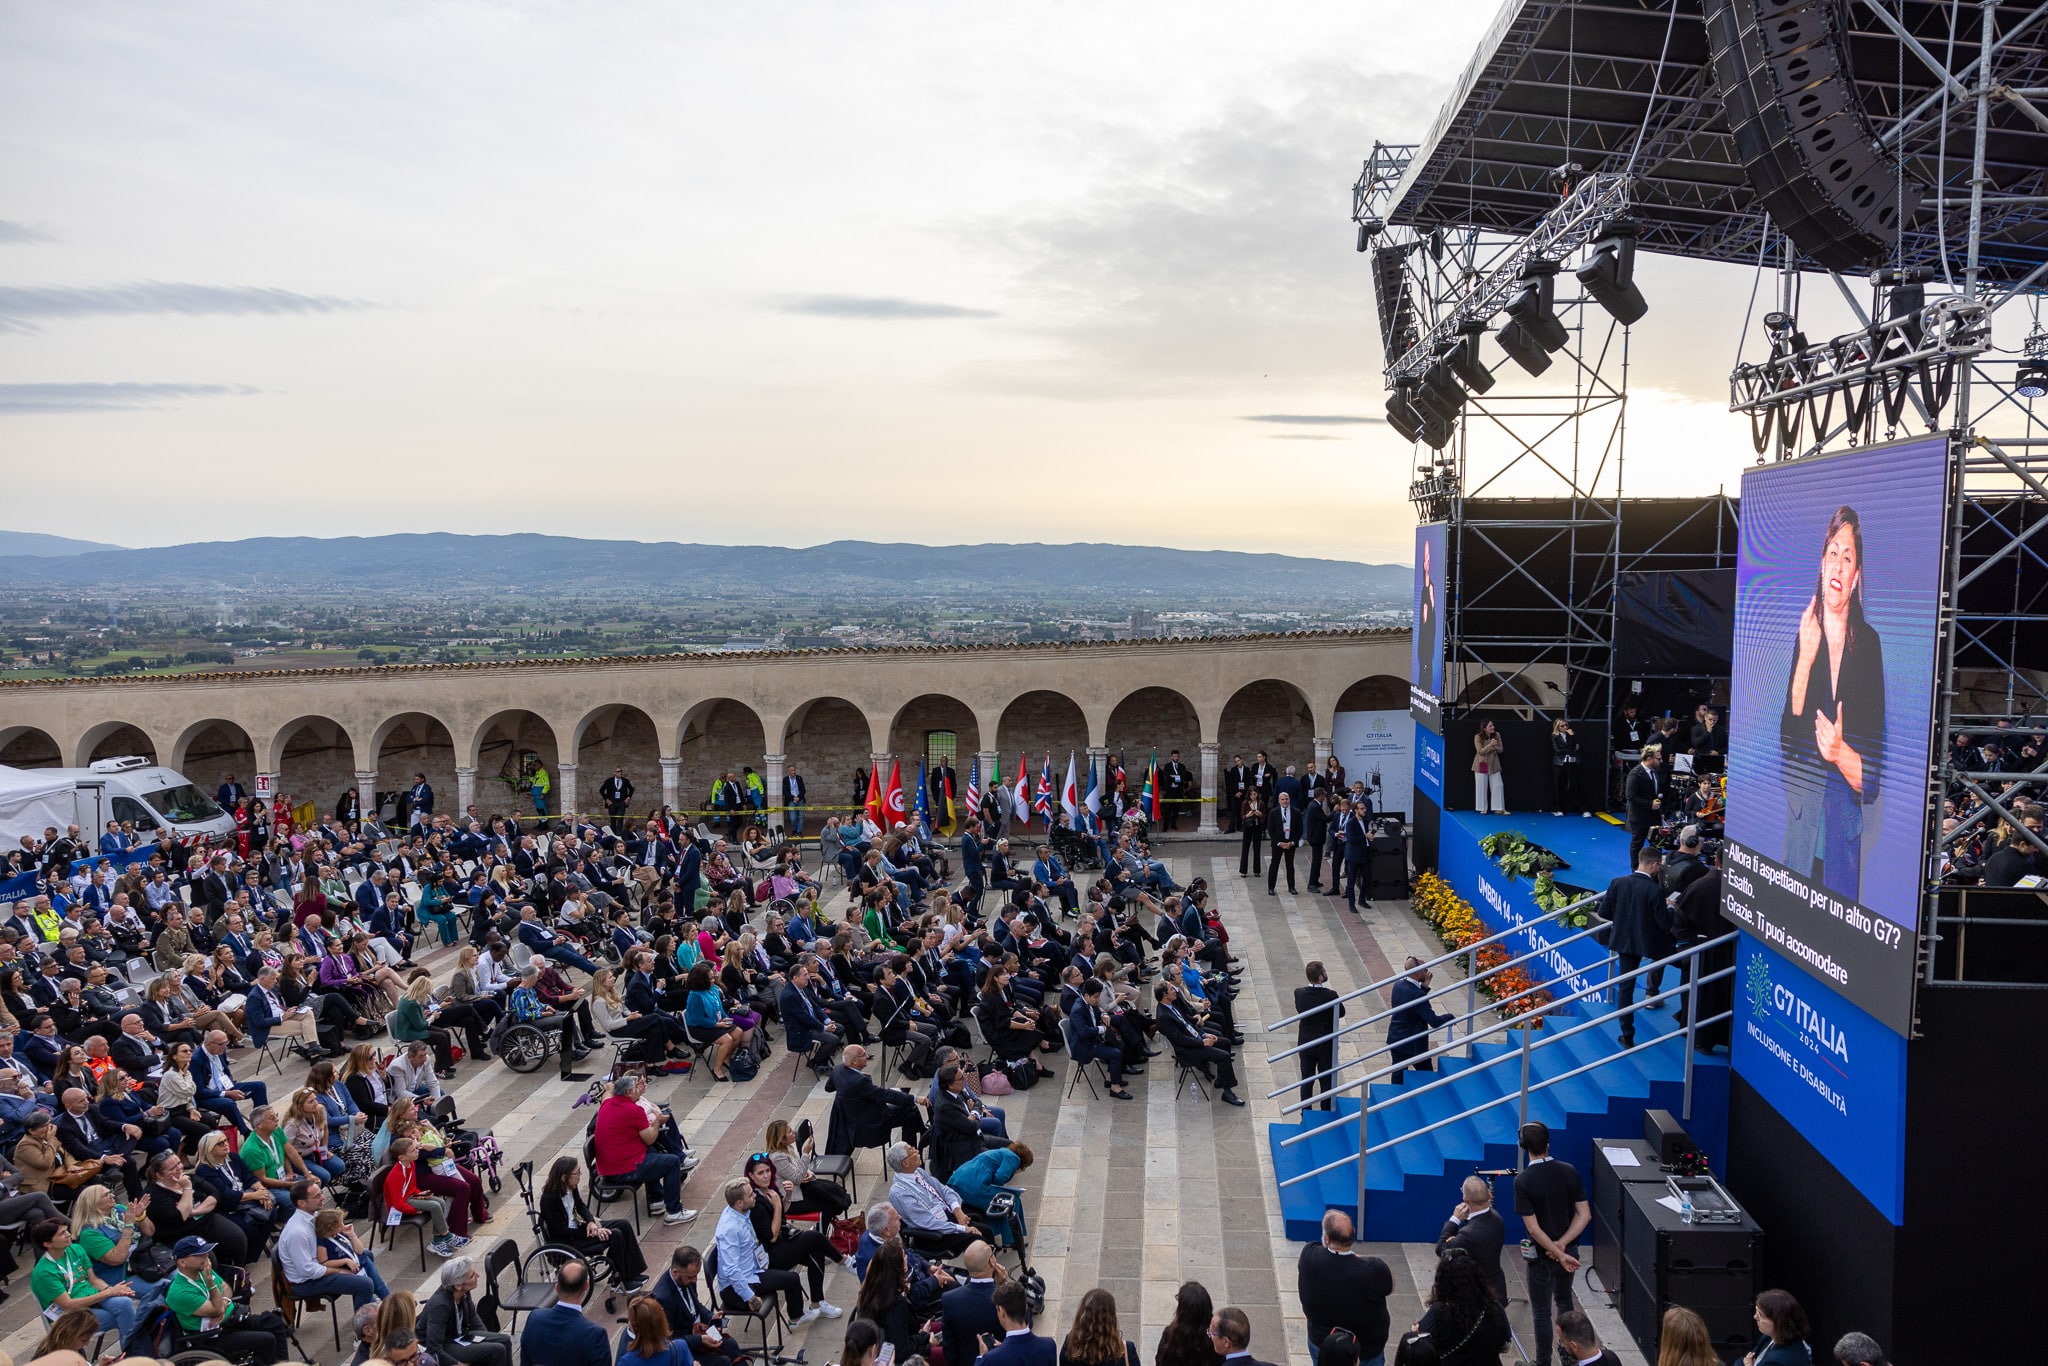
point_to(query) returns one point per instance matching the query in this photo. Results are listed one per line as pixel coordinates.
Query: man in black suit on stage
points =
(1642, 929)
(1644, 799)
(1475, 1228)
(1408, 1027)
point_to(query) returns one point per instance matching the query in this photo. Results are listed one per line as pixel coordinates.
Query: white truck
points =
(124, 789)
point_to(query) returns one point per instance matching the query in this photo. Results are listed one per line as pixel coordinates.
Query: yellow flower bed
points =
(1459, 926)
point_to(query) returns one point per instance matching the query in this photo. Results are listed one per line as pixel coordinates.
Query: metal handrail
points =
(1523, 1095)
(1549, 1038)
(1440, 1050)
(1438, 961)
(1444, 990)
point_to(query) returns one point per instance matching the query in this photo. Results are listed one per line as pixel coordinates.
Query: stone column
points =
(565, 789)
(773, 764)
(1211, 767)
(366, 792)
(671, 782)
(465, 789)
(1324, 749)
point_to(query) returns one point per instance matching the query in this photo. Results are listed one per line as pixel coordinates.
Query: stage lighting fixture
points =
(2032, 379)
(1522, 348)
(1533, 307)
(1401, 414)
(1610, 275)
(1783, 330)
(1432, 403)
(1464, 358)
(1367, 230)
(1440, 382)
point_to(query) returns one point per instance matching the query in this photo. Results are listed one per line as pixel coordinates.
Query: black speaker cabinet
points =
(1389, 867)
(1711, 1269)
(1610, 1176)
(1662, 1130)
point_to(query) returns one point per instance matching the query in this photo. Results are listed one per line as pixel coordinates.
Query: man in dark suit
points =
(1230, 1333)
(1408, 1027)
(968, 1310)
(1475, 1228)
(1089, 1028)
(560, 1335)
(1355, 833)
(1235, 779)
(794, 797)
(729, 797)
(1287, 829)
(615, 792)
(1019, 1345)
(864, 1115)
(230, 794)
(1641, 929)
(807, 1030)
(1195, 1045)
(1341, 1289)
(1316, 830)
(970, 863)
(1175, 783)
(689, 1317)
(85, 1136)
(1312, 1032)
(689, 872)
(1577, 1341)
(1643, 798)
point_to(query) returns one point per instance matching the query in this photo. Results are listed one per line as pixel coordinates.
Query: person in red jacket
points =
(403, 1196)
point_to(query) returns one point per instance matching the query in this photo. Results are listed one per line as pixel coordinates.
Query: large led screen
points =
(1426, 650)
(1838, 582)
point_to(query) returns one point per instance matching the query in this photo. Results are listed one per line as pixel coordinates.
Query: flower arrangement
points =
(1459, 926)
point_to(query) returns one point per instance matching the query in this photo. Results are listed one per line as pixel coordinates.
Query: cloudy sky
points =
(772, 273)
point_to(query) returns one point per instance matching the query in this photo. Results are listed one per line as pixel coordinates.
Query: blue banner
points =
(18, 888)
(139, 854)
(1505, 903)
(1836, 1073)
(1429, 764)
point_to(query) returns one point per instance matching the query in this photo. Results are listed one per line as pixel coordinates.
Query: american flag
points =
(974, 785)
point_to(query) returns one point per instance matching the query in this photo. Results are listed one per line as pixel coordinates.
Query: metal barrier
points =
(1529, 1047)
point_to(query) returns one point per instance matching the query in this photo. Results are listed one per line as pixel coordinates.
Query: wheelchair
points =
(547, 1258)
(526, 1045)
(1078, 851)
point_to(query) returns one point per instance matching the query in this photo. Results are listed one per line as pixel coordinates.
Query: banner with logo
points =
(1836, 1073)
(1429, 763)
(1377, 748)
(20, 887)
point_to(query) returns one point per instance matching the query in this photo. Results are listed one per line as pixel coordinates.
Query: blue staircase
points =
(1412, 1188)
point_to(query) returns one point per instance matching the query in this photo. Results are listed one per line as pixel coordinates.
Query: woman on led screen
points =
(1424, 664)
(1832, 733)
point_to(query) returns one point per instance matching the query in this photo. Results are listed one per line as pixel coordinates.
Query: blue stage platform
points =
(1412, 1187)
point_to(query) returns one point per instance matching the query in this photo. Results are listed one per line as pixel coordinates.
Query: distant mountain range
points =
(40, 545)
(567, 565)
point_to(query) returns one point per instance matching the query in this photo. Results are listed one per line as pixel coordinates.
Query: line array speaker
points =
(1397, 308)
(1806, 145)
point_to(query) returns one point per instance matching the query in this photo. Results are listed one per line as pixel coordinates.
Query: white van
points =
(125, 789)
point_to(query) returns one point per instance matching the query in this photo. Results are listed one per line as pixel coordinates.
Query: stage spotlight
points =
(2032, 379)
(1401, 414)
(1440, 382)
(1433, 403)
(1437, 432)
(1533, 307)
(1610, 275)
(1464, 358)
(1522, 348)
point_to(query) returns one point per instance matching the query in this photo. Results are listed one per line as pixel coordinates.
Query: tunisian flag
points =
(893, 802)
(873, 806)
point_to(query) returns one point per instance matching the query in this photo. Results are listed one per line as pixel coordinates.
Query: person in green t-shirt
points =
(203, 1304)
(273, 1160)
(63, 1280)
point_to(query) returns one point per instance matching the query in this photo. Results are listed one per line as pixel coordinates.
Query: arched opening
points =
(114, 740)
(27, 747)
(415, 744)
(718, 736)
(932, 726)
(314, 759)
(622, 739)
(212, 752)
(1157, 722)
(1380, 692)
(511, 748)
(1272, 716)
(1039, 723)
(825, 740)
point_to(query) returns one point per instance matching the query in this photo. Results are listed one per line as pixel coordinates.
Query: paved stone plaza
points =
(1133, 1197)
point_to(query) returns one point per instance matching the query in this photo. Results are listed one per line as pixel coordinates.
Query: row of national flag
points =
(1080, 800)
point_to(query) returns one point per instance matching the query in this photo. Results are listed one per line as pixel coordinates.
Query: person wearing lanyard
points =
(63, 1280)
(200, 1300)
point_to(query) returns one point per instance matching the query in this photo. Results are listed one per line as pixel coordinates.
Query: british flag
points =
(1042, 796)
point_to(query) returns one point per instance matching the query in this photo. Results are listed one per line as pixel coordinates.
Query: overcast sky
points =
(767, 273)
